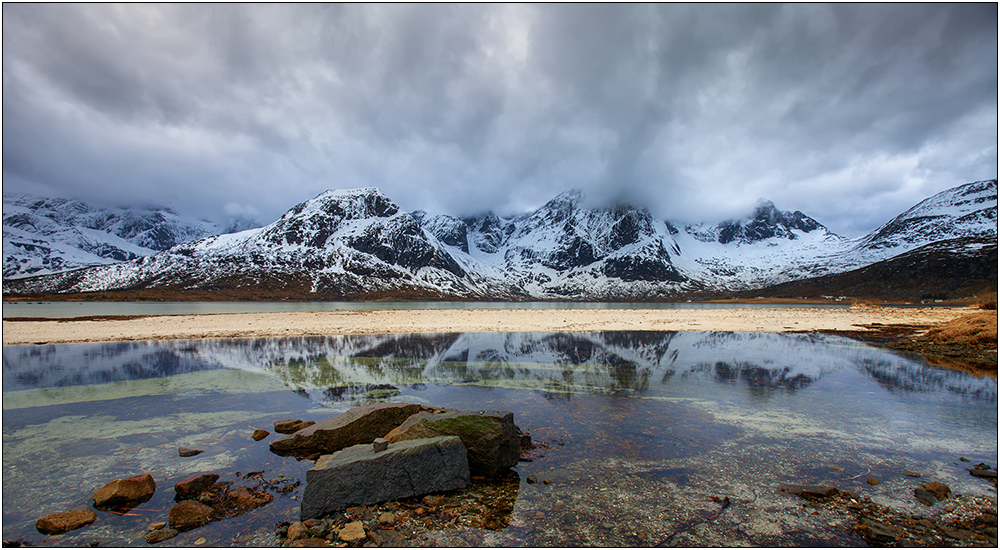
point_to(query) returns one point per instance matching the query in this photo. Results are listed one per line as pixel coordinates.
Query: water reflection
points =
(352, 369)
(634, 428)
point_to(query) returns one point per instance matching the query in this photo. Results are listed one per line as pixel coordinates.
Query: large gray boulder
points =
(358, 475)
(490, 436)
(358, 425)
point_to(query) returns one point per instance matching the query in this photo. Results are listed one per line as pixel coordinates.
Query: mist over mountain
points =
(358, 244)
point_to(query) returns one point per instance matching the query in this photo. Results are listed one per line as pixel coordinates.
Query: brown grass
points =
(976, 329)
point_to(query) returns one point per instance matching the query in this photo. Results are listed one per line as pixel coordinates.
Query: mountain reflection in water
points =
(347, 368)
(632, 428)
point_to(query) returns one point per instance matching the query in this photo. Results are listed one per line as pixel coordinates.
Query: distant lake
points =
(83, 309)
(636, 431)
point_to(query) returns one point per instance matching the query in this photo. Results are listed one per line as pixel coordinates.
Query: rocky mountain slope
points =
(43, 236)
(358, 244)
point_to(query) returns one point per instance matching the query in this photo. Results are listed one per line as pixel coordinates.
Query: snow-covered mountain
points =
(358, 244)
(43, 235)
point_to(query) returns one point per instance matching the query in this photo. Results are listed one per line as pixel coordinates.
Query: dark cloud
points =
(850, 113)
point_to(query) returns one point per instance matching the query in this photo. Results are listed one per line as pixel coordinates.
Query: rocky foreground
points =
(397, 474)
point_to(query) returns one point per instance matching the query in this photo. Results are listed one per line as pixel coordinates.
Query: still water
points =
(61, 310)
(636, 431)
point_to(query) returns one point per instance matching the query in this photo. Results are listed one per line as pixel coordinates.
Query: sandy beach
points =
(257, 325)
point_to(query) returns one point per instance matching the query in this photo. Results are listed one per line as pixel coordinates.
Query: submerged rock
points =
(189, 514)
(359, 476)
(812, 491)
(358, 425)
(924, 497)
(160, 535)
(291, 426)
(259, 434)
(489, 436)
(192, 486)
(185, 452)
(63, 522)
(938, 489)
(130, 491)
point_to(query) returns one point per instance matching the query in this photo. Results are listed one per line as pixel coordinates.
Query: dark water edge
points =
(65, 310)
(637, 431)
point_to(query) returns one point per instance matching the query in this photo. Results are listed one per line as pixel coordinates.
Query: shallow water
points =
(637, 430)
(64, 310)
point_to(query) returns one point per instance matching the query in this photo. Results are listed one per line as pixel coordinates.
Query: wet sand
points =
(259, 325)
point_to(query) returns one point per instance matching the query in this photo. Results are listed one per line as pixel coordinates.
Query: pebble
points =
(911, 474)
(259, 434)
(160, 535)
(353, 532)
(200, 541)
(873, 481)
(387, 518)
(157, 525)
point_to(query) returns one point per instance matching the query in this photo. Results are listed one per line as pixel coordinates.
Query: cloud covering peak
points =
(849, 113)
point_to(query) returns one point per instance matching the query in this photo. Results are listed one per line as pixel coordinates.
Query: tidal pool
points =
(639, 434)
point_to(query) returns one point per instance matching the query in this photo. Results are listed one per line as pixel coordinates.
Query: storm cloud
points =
(849, 113)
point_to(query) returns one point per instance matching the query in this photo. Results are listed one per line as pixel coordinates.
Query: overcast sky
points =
(849, 113)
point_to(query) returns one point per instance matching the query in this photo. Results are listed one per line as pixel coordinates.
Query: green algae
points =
(188, 384)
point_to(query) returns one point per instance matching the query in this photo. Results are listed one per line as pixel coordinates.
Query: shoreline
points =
(355, 322)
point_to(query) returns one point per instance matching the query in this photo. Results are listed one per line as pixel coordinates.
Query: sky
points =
(848, 113)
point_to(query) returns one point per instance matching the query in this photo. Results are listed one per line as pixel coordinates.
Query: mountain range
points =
(45, 235)
(358, 244)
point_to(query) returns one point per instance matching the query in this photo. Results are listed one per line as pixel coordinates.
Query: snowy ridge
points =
(43, 236)
(358, 244)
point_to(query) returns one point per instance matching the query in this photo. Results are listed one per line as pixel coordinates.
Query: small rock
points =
(123, 492)
(387, 518)
(200, 541)
(924, 496)
(911, 474)
(157, 525)
(353, 532)
(882, 533)
(873, 481)
(243, 499)
(811, 491)
(184, 451)
(160, 535)
(291, 426)
(63, 522)
(546, 481)
(432, 501)
(532, 478)
(297, 530)
(963, 459)
(192, 486)
(380, 445)
(938, 489)
(983, 470)
(420, 511)
(309, 543)
(317, 531)
(189, 514)
(259, 434)
(837, 468)
(607, 526)
(387, 538)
